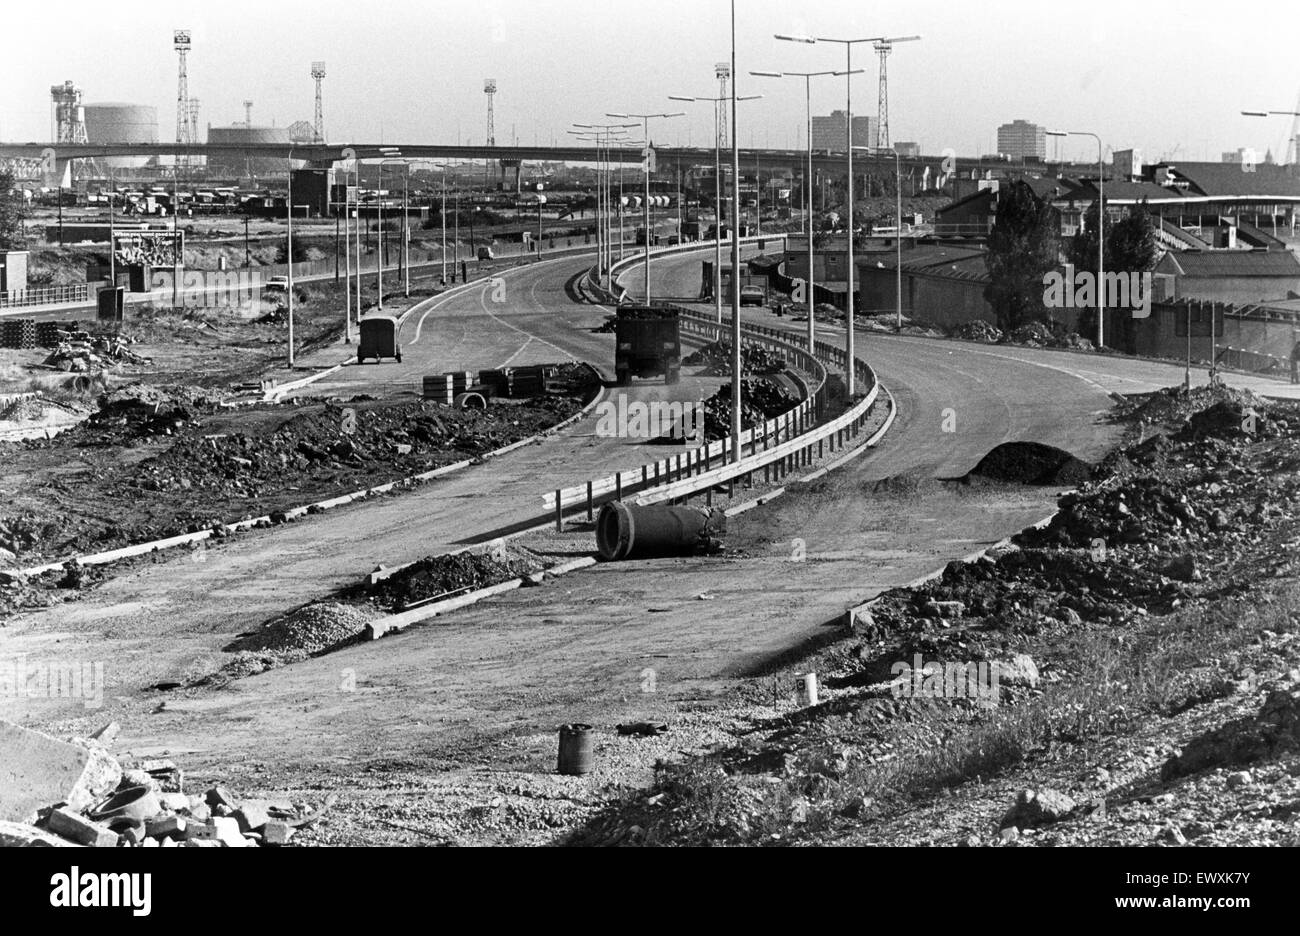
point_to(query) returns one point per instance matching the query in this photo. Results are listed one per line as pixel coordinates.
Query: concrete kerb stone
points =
(396, 622)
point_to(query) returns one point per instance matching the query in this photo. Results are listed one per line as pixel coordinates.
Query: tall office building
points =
(828, 132)
(1021, 139)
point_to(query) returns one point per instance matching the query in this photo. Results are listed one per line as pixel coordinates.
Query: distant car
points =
(485, 253)
(277, 284)
(752, 295)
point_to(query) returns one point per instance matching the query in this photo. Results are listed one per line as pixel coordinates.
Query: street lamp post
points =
(1101, 234)
(379, 235)
(649, 157)
(347, 261)
(807, 78)
(737, 365)
(443, 213)
(717, 103)
(849, 324)
(112, 231)
(356, 169)
(603, 136)
(289, 258)
(898, 225)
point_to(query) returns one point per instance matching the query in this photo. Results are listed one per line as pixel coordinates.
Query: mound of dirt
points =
(1173, 406)
(311, 629)
(1032, 463)
(444, 577)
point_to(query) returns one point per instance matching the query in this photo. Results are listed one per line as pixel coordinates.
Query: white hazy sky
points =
(1169, 78)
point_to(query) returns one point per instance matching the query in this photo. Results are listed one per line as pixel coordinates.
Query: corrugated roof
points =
(1121, 190)
(1216, 263)
(1230, 179)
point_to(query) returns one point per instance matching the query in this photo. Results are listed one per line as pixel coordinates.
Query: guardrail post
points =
(590, 514)
(559, 512)
(618, 486)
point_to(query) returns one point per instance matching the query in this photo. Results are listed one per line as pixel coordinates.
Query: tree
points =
(11, 224)
(1130, 248)
(1023, 246)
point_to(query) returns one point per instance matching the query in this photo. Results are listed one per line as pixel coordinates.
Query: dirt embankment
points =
(1128, 674)
(154, 462)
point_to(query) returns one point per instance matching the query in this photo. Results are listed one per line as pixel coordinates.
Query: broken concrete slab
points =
(37, 771)
(251, 817)
(21, 835)
(228, 832)
(77, 828)
(277, 832)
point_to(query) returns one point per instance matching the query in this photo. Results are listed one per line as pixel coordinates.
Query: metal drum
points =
(575, 750)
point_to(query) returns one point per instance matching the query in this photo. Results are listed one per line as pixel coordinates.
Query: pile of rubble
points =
(83, 352)
(761, 399)
(1032, 335)
(978, 330)
(77, 793)
(754, 359)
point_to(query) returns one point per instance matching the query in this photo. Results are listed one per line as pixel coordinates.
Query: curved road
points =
(579, 648)
(201, 604)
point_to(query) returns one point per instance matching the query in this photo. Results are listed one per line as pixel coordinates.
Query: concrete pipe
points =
(469, 400)
(628, 531)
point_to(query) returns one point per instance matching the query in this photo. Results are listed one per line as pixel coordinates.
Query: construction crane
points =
(883, 47)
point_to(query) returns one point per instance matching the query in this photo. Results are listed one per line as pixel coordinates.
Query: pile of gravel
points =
(312, 629)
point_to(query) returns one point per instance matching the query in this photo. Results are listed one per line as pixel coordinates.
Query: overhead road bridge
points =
(53, 158)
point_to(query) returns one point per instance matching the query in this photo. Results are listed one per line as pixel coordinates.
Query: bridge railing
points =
(778, 444)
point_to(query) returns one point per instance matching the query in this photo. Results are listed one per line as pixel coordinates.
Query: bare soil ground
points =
(134, 472)
(1147, 644)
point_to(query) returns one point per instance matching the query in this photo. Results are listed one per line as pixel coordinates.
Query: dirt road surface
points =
(439, 720)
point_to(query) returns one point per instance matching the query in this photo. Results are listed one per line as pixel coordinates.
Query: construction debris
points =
(755, 359)
(75, 793)
(81, 352)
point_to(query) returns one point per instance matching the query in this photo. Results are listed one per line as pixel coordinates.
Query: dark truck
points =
(648, 343)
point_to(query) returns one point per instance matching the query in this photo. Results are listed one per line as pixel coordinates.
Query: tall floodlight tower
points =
(181, 43)
(723, 71)
(490, 89)
(882, 114)
(318, 73)
(883, 48)
(248, 113)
